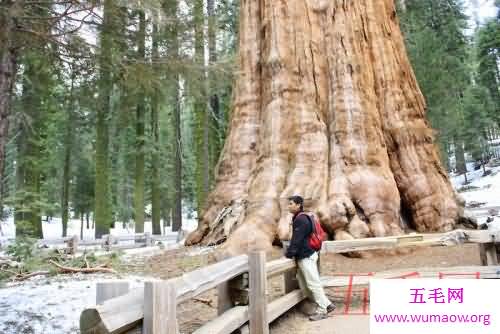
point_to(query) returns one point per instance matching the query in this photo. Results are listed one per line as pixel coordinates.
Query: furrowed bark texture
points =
(326, 105)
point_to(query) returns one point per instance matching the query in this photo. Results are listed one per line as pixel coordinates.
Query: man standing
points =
(307, 259)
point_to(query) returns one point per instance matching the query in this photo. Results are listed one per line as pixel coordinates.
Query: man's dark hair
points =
(297, 200)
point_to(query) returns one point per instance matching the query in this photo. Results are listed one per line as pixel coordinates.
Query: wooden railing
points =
(108, 242)
(156, 303)
(244, 277)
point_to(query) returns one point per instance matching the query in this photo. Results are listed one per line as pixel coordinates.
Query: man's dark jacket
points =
(299, 245)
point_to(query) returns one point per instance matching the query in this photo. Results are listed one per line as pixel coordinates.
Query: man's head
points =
(295, 204)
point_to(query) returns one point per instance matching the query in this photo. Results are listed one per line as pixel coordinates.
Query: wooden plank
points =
(114, 316)
(281, 305)
(54, 241)
(131, 246)
(238, 316)
(279, 266)
(257, 310)
(96, 242)
(129, 237)
(196, 282)
(224, 301)
(418, 240)
(170, 237)
(226, 323)
(290, 276)
(109, 290)
(160, 308)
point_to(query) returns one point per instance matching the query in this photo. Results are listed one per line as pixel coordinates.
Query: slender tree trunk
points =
(326, 105)
(19, 210)
(460, 158)
(102, 212)
(140, 119)
(81, 226)
(87, 220)
(155, 127)
(177, 209)
(170, 9)
(8, 59)
(67, 161)
(215, 117)
(202, 140)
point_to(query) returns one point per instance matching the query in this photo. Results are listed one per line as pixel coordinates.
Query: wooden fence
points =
(241, 284)
(108, 242)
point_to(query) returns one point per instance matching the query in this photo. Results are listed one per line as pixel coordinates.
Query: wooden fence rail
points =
(245, 276)
(108, 242)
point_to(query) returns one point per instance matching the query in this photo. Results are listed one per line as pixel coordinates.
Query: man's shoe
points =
(318, 316)
(330, 308)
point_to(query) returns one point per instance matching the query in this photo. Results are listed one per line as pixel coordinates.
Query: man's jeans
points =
(309, 282)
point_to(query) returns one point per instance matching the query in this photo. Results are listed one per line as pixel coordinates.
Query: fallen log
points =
(99, 269)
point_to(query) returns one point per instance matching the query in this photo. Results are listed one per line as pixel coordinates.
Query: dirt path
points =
(296, 323)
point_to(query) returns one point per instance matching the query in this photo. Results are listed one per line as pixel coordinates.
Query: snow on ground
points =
(53, 229)
(484, 189)
(51, 305)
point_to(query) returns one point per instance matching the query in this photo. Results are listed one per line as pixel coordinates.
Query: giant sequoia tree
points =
(326, 105)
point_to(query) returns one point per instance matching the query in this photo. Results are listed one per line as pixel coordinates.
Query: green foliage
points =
(488, 57)
(22, 249)
(443, 58)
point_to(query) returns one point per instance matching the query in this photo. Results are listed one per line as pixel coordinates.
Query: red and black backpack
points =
(318, 235)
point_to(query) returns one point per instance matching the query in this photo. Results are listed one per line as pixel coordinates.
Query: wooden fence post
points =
(482, 254)
(257, 310)
(491, 254)
(224, 301)
(149, 242)
(160, 308)
(72, 244)
(109, 290)
(290, 276)
(107, 241)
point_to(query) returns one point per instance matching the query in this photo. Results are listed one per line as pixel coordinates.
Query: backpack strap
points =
(313, 227)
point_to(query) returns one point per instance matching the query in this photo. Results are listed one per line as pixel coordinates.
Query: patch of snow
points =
(52, 229)
(487, 191)
(51, 305)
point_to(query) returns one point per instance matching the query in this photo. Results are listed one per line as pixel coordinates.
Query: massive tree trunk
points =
(326, 105)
